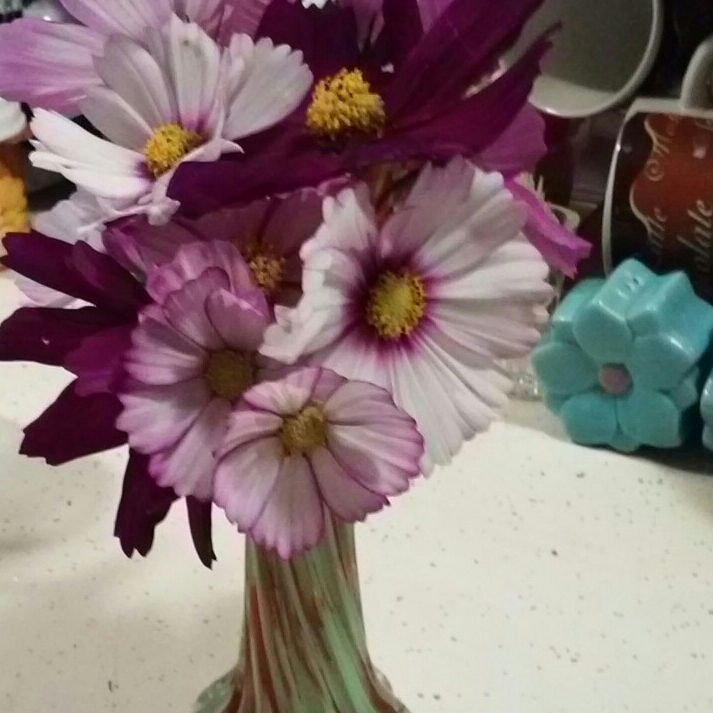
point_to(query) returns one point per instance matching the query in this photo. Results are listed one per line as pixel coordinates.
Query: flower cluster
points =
(297, 251)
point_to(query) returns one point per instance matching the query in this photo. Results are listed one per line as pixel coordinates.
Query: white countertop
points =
(532, 576)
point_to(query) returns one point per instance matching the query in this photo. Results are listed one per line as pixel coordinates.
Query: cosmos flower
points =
(153, 118)
(51, 64)
(403, 97)
(422, 301)
(268, 234)
(424, 107)
(89, 342)
(311, 446)
(194, 354)
(294, 358)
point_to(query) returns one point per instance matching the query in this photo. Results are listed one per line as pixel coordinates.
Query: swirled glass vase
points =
(304, 645)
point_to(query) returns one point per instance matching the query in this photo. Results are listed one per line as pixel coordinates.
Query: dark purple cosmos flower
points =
(404, 93)
(90, 342)
(401, 96)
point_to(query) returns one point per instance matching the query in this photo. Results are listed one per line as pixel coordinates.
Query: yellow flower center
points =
(343, 105)
(305, 431)
(266, 266)
(229, 374)
(396, 304)
(167, 146)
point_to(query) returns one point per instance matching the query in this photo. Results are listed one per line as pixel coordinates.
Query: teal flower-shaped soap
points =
(621, 363)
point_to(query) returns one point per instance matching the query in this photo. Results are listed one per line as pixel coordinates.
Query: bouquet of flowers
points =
(296, 254)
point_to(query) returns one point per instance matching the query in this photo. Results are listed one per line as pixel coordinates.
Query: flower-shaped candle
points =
(622, 361)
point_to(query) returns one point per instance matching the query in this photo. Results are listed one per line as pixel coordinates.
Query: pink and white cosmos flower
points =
(423, 301)
(194, 354)
(311, 446)
(50, 65)
(154, 117)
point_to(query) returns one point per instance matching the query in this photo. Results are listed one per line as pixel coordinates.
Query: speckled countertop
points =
(532, 576)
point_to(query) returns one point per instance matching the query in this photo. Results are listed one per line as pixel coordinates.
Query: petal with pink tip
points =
(185, 309)
(358, 403)
(329, 383)
(193, 260)
(156, 417)
(122, 17)
(244, 481)
(346, 498)
(241, 319)
(293, 519)
(140, 247)
(48, 64)
(244, 16)
(383, 458)
(189, 467)
(161, 356)
(246, 425)
(285, 397)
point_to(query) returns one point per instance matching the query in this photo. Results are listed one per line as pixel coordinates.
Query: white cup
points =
(601, 55)
(697, 89)
(50, 10)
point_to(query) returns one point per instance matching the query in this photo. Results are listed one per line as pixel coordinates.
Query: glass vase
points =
(525, 385)
(304, 645)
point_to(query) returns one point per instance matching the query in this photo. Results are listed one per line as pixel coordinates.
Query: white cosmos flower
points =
(176, 97)
(423, 303)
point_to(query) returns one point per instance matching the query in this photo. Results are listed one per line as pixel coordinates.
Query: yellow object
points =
(343, 105)
(396, 304)
(168, 145)
(229, 374)
(14, 217)
(267, 267)
(305, 431)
